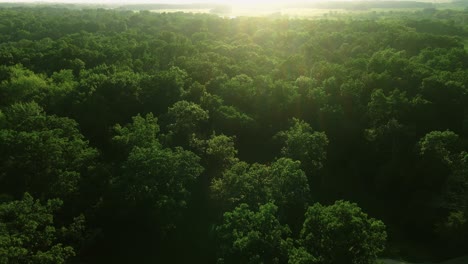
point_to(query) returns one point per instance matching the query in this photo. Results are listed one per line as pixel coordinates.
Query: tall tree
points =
(342, 233)
(42, 154)
(303, 144)
(29, 234)
(253, 236)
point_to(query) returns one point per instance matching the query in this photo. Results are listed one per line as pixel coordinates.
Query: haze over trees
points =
(136, 137)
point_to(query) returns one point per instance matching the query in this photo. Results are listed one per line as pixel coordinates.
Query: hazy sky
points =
(135, 1)
(158, 1)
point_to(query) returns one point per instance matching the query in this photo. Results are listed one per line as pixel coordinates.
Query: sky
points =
(156, 1)
(233, 3)
(238, 3)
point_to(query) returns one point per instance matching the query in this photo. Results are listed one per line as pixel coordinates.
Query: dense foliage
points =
(135, 137)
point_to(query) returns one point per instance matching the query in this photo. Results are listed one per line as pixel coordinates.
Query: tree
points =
(289, 185)
(186, 117)
(388, 60)
(238, 91)
(42, 154)
(159, 180)
(456, 188)
(224, 118)
(342, 233)
(22, 86)
(382, 108)
(454, 225)
(218, 152)
(438, 151)
(163, 89)
(28, 232)
(156, 178)
(110, 96)
(303, 144)
(243, 183)
(439, 145)
(283, 182)
(142, 132)
(248, 236)
(301, 256)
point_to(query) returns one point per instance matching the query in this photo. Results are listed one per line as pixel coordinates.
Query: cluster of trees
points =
(132, 137)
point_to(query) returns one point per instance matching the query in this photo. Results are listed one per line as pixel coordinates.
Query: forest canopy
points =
(140, 137)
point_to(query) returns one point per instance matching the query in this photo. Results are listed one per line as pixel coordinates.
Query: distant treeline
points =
(171, 6)
(352, 5)
(361, 4)
(226, 8)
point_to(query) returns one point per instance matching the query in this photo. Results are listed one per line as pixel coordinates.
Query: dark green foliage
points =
(186, 119)
(301, 256)
(218, 152)
(42, 154)
(439, 145)
(156, 125)
(142, 132)
(28, 233)
(23, 85)
(303, 144)
(253, 236)
(342, 233)
(283, 182)
(159, 178)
